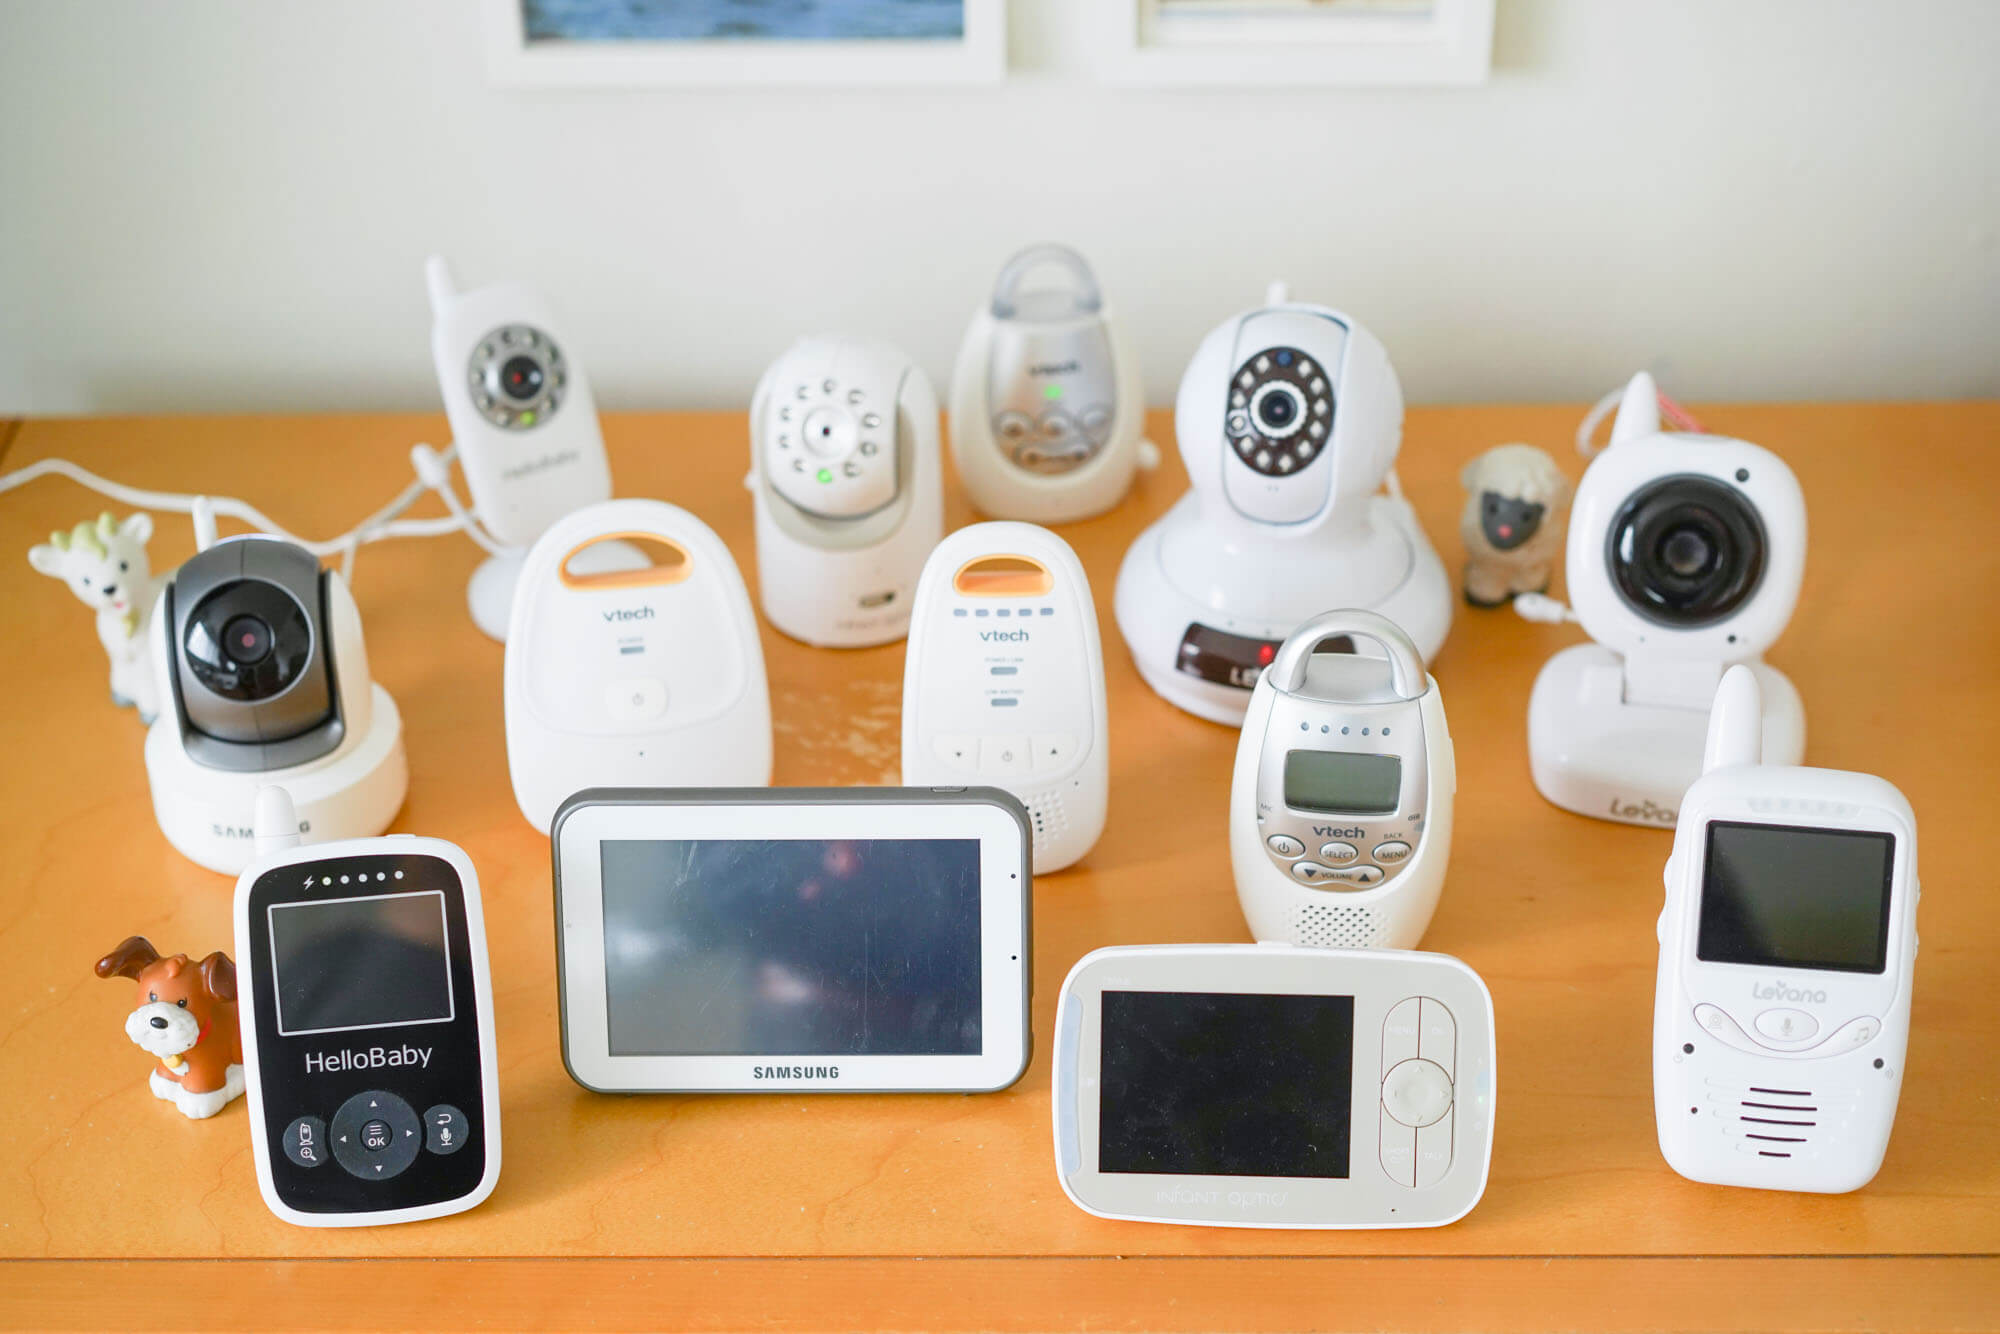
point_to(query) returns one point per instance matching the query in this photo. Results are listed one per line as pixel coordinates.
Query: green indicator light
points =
(826, 474)
(527, 419)
(1051, 391)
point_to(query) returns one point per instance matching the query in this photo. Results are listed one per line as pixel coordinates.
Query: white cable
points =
(1587, 428)
(434, 473)
(382, 525)
(1543, 608)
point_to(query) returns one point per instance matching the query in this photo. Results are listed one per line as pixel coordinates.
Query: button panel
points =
(1417, 1108)
(1766, 1040)
(375, 1135)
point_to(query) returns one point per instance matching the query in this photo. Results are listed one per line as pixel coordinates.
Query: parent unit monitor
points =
(1273, 1086)
(795, 939)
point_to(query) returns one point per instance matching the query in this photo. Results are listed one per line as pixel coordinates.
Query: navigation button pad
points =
(376, 1135)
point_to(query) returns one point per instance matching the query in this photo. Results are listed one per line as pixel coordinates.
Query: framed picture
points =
(638, 43)
(1277, 43)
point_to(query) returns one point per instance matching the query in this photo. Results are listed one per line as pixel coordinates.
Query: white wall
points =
(225, 204)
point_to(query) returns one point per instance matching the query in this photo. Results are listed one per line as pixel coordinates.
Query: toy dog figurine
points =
(187, 1018)
(104, 563)
(1516, 499)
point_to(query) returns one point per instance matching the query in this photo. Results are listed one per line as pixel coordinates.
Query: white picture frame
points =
(513, 61)
(1143, 42)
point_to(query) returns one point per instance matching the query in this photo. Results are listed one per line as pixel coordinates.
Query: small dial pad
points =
(517, 377)
(376, 1136)
(1280, 411)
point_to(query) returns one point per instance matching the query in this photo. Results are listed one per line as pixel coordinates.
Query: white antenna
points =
(437, 280)
(203, 511)
(1735, 722)
(1279, 293)
(1638, 412)
(277, 822)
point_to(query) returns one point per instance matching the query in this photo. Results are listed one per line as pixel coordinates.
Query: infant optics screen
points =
(1218, 1084)
(770, 947)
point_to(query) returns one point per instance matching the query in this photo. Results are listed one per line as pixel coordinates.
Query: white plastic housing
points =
(354, 791)
(1412, 1013)
(523, 477)
(1735, 1102)
(1038, 348)
(1003, 682)
(646, 677)
(1615, 728)
(1183, 571)
(838, 561)
(1386, 869)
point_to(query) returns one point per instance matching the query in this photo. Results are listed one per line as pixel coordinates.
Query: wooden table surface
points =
(943, 1211)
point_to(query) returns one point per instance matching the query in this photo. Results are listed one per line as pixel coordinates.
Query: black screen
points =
(1779, 896)
(1208, 1084)
(767, 947)
(361, 962)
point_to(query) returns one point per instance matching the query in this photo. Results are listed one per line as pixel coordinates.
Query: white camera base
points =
(1183, 572)
(209, 815)
(1595, 752)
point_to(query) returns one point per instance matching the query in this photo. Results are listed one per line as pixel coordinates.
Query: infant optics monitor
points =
(649, 673)
(1685, 556)
(1787, 950)
(367, 1012)
(1268, 1086)
(788, 940)
(1340, 806)
(846, 478)
(522, 418)
(1003, 682)
(264, 679)
(1046, 402)
(1288, 418)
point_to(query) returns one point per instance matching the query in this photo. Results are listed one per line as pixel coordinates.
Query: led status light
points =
(1052, 392)
(826, 474)
(527, 419)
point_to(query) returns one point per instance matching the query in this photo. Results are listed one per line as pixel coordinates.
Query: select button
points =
(376, 1135)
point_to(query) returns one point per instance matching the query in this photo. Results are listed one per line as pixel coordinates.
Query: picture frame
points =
(1301, 43)
(517, 58)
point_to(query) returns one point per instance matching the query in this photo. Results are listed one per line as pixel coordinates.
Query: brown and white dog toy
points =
(186, 1018)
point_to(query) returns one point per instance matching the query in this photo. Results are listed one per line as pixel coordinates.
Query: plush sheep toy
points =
(104, 563)
(1516, 500)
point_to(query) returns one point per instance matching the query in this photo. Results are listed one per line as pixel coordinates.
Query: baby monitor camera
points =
(1685, 556)
(1341, 803)
(848, 490)
(1003, 682)
(523, 420)
(1046, 401)
(266, 680)
(1788, 947)
(1289, 418)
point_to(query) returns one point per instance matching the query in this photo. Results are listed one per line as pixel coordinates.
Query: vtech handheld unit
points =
(367, 1013)
(1340, 808)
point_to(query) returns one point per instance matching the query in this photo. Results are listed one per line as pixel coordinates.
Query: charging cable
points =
(385, 523)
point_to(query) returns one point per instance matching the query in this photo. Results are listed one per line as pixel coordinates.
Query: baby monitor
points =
(1289, 418)
(1046, 402)
(1269, 1086)
(522, 417)
(264, 680)
(1003, 682)
(367, 1013)
(1685, 556)
(1340, 805)
(849, 497)
(791, 940)
(649, 673)
(1787, 950)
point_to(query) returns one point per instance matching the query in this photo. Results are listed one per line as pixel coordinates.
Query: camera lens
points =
(521, 378)
(1686, 551)
(247, 640)
(1278, 411)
